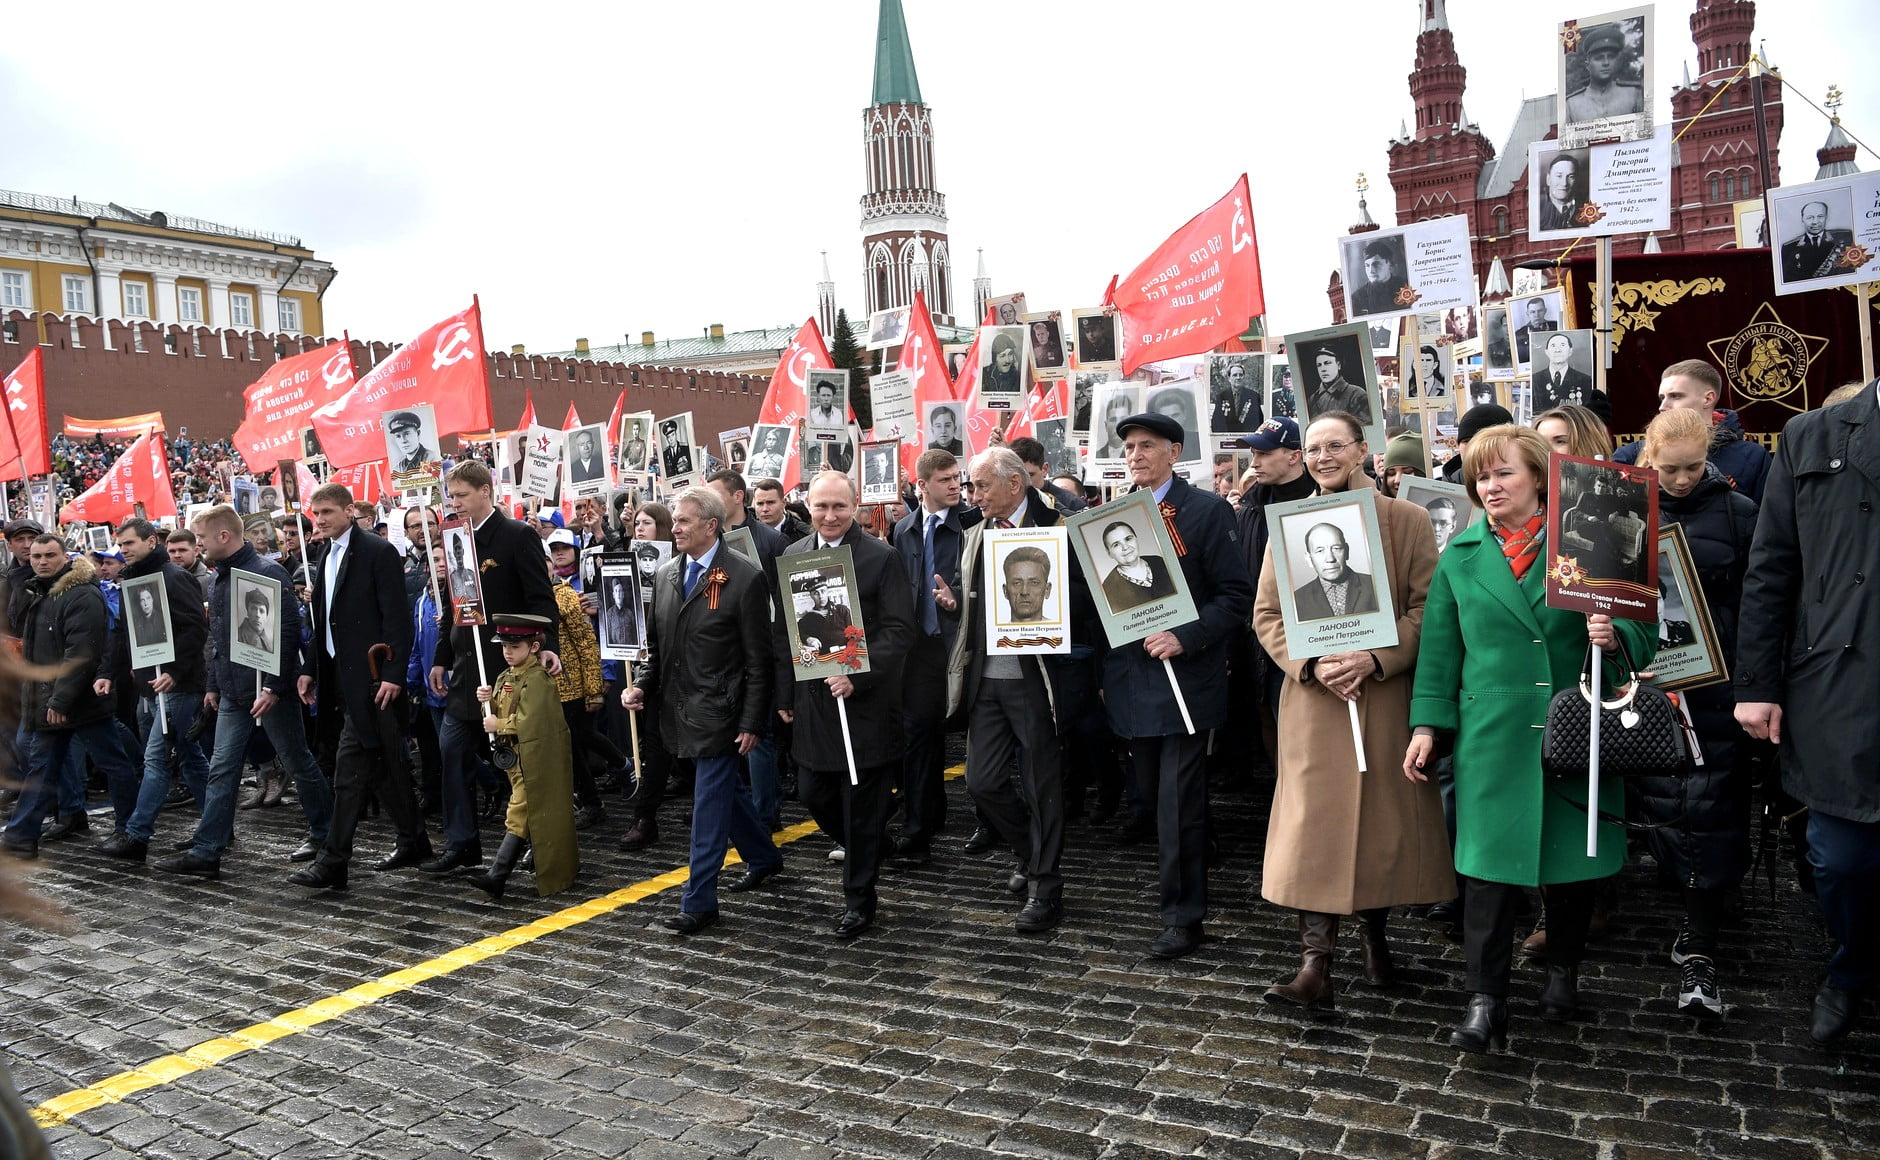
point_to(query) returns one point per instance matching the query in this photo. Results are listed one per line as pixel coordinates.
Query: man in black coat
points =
(1807, 662)
(767, 502)
(855, 816)
(1169, 760)
(509, 557)
(63, 625)
(762, 762)
(709, 660)
(180, 683)
(358, 606)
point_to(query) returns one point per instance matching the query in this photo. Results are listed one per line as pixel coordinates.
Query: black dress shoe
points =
(67, 826)
(1485, 1025)
(1176, 941)
(1560, 999)
(452, 860)
(688, 923)
(853, 923)
(911, 853)
(407, 855)
(1017, 883)
(183, 845)
(191, 865)
(126, 847)
(307, 851)
(983, 839)
(751, 878)
(19, 847)
(1833, 1016)
(322, 875)
(642, 834)
(1038, 916)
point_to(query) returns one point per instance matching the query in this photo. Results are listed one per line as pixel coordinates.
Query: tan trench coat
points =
(1340, 841)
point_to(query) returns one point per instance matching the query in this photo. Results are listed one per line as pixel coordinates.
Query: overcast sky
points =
(595, 170)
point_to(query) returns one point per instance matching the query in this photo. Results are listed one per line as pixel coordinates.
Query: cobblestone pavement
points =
(941, 1033)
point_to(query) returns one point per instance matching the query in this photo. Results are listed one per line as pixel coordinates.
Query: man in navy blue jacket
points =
(1695, 385)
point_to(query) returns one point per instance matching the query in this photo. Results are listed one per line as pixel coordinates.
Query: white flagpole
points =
(163, 710)
(1181, 702)
(848, 745)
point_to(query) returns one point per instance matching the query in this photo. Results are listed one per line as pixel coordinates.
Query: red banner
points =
(25, 391)
(572, 419)
(784, 401)
(366, 481)
(443, 367)
(1051, 400)
(1199, 288)
(140, 475)
(281, 402)
(128, 427)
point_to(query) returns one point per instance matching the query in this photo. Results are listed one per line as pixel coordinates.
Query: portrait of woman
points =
(1136, 578)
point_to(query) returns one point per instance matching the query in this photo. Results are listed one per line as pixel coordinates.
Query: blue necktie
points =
(929, 612)
(692, 569)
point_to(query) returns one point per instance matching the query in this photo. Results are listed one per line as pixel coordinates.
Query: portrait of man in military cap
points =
(410, 441)
(1606, 78)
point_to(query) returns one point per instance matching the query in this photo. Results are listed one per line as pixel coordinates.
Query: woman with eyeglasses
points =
(1340, 841)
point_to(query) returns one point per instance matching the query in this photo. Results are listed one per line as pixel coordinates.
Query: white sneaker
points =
(1697, 991)
(1680, 945)
(838, 855)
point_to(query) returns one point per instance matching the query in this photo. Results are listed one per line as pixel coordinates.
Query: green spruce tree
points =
(845, 354)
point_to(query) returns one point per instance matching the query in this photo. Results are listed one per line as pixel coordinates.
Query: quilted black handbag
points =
(1640, 732)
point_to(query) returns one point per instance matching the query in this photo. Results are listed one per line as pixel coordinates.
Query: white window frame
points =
(189, 304)
(289, 315)
(76, 291)
(16, 290)
(241, 309)
(136, 300)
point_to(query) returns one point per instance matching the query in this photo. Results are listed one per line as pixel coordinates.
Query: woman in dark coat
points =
(1704, 815)
(1488, 634)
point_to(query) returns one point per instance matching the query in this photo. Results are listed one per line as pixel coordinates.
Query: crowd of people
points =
(200, 469)
(519, 729)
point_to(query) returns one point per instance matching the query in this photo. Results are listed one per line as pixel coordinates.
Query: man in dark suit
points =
(676, 454)
(1336, 589)
(1813, 252)
(514, 579)
(1535, 323)
(928, 540)
(1171, 761)
(1383, 278)
(1556, 383)
(1237, 407)
(585, 463)
(358, 605)
(709, 655)
(856, 816)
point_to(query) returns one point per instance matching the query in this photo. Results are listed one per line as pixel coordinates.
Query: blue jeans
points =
(461, 744)
(72, 776)
(233, 727)
(1846, 858)
(182, 708)
(43, 757)
(721, 811)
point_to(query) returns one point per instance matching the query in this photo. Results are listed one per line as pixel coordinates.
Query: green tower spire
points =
(895, 80)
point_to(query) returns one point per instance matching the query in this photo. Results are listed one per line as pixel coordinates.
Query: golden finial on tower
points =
(1834, 103)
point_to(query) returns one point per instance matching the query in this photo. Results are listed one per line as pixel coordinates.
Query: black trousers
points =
(1173, 771)
(1008, 715)
(1488, 910)
(582, 741)
(923, 767)
(856, 818)
(382, 770)
(655, 767)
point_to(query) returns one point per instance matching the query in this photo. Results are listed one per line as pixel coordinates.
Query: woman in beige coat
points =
(1339, 841)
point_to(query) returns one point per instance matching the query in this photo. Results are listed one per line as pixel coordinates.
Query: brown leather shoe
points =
(1379, 970)
(643, 834)
(1311, 988)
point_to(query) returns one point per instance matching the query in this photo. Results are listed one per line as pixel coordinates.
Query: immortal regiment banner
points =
(1197, 290)
(443, 366)
(276, 407)
(1778, 357)
(784, 402)
(127, 427)
(1600, 190)
(140, 475)
(1825, 233)
(25, 393)
(1421, 267)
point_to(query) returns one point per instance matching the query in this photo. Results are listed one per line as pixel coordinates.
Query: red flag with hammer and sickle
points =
(1199, 289)
(282, 402)
(444, 367)
(140, 475)
(786, 402)
(25, 394)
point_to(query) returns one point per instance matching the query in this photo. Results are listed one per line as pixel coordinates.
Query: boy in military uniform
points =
(523, 712)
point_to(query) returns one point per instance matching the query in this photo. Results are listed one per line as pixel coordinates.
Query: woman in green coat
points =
(1488, 635)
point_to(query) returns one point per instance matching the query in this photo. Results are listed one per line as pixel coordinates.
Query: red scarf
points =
(1522, 546)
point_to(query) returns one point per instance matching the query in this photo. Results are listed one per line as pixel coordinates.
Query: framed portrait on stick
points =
(881, 471)
(828, 636)
(636, 441)
(770, 450)
(1339, 375)
(621, 625)
(1002, 362)
(412, 458)
(255, 623)
(828, 397)
(586, 461)
(1605, 77)
(146, 611)
(1134, 570)
(463, 573)
(1602, 534)
(1096, 344)
(1026, 609)
(1689, 654)
(541, 462)
(1114, 401)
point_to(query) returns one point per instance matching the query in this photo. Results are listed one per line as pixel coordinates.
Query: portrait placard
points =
(1599, 190)
(622, 622)
(636, 442)
(1008, 309)
(1237, 397)
(737, 450)
(828, 396)
(1498, 354)
(1333, 579)
(1060, 450)
(1563, 370)
(891, 397)
(942, 426)
(511, 458)
(1002, 358)
(1425, 371)
(881, 471)
(1825, 233)
(741, 541)
(1084, 385)
(1752, 224)
(824, 456)
(1534, 316)
(1133, 568)
(268, 499)
(1602, 533)
(541, 462)
(827, 635)
(146, 611)
(1178, 401)
(287, 478)
(887, 328)
(1025, 585)
(1282, 398)
(463, 573)
(586, 461)
(1096, 343)
(412, 457)
(1115, 401)
(98, 538)
(245, 496)
(770, 450)
(1479, 391)
(1046, 335)
(1689, 654)
(1339, 375)
(310, 446)
(1448, 504)
(1606, 79)
(255, 621)
(679, 452)
(1390, 273)
(648, 557)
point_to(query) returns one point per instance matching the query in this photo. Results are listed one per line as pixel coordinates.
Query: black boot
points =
(1560, 1001)
(1311, 988)
(491, 882)
(1485, 1025)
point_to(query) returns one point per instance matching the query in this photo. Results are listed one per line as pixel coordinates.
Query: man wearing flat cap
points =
(1140, 678)
(1604, 95)
(1332, 392)
(404, 435)
(1383, 278)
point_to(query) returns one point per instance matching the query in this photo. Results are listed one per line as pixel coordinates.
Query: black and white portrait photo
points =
(1047, 342)
(956, 359)
(310, 444)
(1605, 520)
(678, 450)
(636, 442)
(1448, 505)
(98, 538)
(1559, 182)
(1425, 374)
(1060, 450)
(648, 555)
(1083, 395)
(621, 625)
(146, 611)
(587, 460)
(1498, 360)
(823, 617)
(1375, 269)
(1096, 337)
(738, 453)
(255, 617)
(1329, 550)
(828, 397)
(1027, 613)
(1533, 316)
(1563, 371)
(461, 566)
(1007, 309)
(887, 328)
(1002, 366)
(411, 442)
(838, 456)
(1339, 375)
(881, 471)
(1605, 77)
(770, 450)
(1237, 390)
(1115, 402)
(1282, 401)
(1816, 230)
(943, 425)
(1177, 401)
(1132, 575)
(268, 499)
